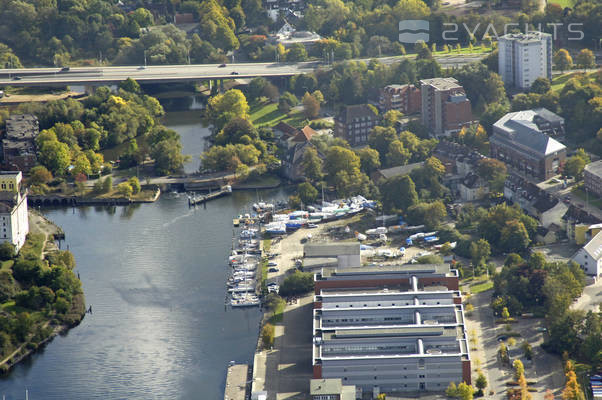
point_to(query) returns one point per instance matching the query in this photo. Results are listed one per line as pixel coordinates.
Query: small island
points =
(40, 295)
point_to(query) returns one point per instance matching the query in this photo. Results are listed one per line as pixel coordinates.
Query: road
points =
(175, 73)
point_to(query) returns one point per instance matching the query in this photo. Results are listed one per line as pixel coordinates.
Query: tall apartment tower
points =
(524, 57)
(445, 107)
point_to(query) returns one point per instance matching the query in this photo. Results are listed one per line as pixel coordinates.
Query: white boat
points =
(245, 303)
(241, 288)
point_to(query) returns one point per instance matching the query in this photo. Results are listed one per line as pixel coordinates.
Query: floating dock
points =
(224, 191)
(236, 382)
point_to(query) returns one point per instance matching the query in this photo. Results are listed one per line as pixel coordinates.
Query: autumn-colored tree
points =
(311, 106)
(572, 390)
(563, 60)
(519, 369)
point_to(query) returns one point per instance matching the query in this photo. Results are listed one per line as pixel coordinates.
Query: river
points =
(155, 277)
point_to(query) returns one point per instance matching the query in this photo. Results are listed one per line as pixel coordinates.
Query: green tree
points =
(307, 193)
(135, 184)
(286, 102)
(398, 193)
(514, 237)
(369, 160)
(397, 154)
(168, 156)
(540, 86)
(429, 214)
(297, 283)
(39, 175)
(505, 313)
(452, 390)
(494, 172)
(7, 251)
(586, 59)
(481, 382)
(107, 184)
(311, 106)
(224, 107)
(480, 251)
(55, 156)
(125, 189)
(563, 60)
(81, 165)
(312, 165)
(296, 53)
(268, 333)
(422, 51)
(465, 391)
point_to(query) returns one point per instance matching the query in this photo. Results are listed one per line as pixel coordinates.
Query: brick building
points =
(444, 106)
(18, 145)
(520, 139)
(355, 123)
(403, 98)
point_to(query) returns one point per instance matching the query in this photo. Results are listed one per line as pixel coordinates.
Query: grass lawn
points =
(559, 81)
(591, 199)
(564, 3)
(463, 50)
(267, 114)
(481, 287)
(6, 265)
(278, 312)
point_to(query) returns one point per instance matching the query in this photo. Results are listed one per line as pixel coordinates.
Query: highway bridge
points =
(94, 76)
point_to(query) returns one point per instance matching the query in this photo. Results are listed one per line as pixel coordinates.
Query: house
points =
(288, 35)
(589, 257)
(592, 177)
(402, 98)
(355, 123)
(577, 223)
(387, 173)
(330, 389)
(521, 140)
(292, 164)
(457, 159)
(549, 235)
(303, 135)
(18, 145)
(445, 108)
(13, 209)
(473, 187)
(288, 135)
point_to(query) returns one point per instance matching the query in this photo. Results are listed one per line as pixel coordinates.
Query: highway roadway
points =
(174, 73)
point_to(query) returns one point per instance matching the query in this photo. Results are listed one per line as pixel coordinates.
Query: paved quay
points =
(236, 382)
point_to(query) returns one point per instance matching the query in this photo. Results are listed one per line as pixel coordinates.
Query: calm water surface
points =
(155, 277)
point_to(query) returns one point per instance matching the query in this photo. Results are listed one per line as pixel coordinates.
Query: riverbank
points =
(37, 315)
(89, 198)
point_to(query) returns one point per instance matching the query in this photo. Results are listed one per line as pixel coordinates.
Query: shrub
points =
(135, 184)
(7, 251)
(268, 333)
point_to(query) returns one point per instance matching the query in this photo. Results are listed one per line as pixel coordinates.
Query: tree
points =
(574, 167)
(494, 172)
(563, 60)
(540, 85)
(55, 156)
(452, 390)
(340, 159)
(519, 369)
(479, 251)
(286, 102)
(311, 106)
(528, 350)
(397, 154)
(223, 107)
(422, 51)
(307, 193)
(296, 53)
(505, 313)
(586, 59)
(81, 165)
(465, 391)
(39, 175)
(107, 184)
(398, 193)
(514, 237)
(524, 390)
(369, 160)
(168, 156)
(268, 333)
(481, 382)
(572, 389)
(312, 165)
(297, 283)
(125, 189)
(429, 214)
(7, 251)
(135, 184)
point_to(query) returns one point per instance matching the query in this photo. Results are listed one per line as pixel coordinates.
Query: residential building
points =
(288, 135)
(13, 209)
(355, 123)
(287, 35)
(387, 173)
(521, 140)
(391, 338)
(592, 177)
(444, 106)
(524, 57)
(292, 163)
(473, 187)
(402, 98)
(579, 224)
(589, 257)
(330, 389)
(18, 145)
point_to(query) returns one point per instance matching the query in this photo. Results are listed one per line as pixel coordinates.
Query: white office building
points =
(589, 257)
(525, 57)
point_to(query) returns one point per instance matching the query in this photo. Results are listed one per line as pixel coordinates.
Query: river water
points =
(155, 277)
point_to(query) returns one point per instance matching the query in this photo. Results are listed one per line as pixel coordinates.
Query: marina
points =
(224, 191)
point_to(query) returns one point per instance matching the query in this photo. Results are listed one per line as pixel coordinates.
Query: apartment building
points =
(521, 140)
(444, 106)
(524, 57)
(391, 338)
(592, 176)
(355, 123)
(402, 98)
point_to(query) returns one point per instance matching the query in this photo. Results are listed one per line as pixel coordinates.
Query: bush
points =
(268, 333)
(7, 251)
(124, 189)
(135, 184)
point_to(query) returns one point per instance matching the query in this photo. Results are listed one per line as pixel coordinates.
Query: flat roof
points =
(333, 249)
(442, 83)
(407, 269)
(325, 386)
(594, 168)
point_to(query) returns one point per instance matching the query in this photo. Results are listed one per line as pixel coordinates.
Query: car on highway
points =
(142, 67)
(273, 269)
(65, 69)
(221, 65)
(233, 73)
(17, 78)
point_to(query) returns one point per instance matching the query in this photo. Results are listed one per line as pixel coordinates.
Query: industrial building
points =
(18, 145)
(390, 329)
(13, 209)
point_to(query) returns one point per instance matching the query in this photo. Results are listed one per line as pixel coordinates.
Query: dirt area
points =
(561, 252)
(41, 98)
(38, 223)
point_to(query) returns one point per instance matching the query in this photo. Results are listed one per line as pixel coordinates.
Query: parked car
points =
(272, 284)
(273, 269)
(311, 226)
(272, 264)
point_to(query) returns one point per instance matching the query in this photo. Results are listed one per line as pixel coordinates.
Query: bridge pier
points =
(221, 86)
(90, 89)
